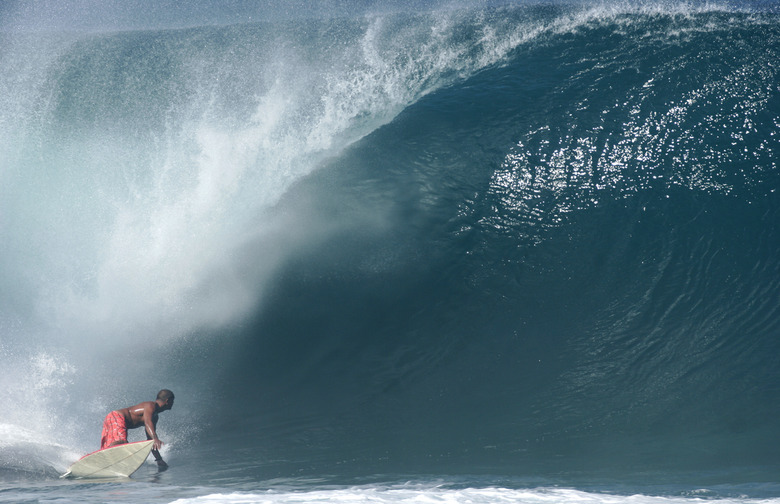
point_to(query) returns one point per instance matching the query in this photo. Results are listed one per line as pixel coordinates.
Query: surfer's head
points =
(165, 398)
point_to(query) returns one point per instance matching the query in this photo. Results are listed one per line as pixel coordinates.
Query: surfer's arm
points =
(150, 424)
(161, 465)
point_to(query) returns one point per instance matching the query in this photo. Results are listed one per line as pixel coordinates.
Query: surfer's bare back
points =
(145, 414)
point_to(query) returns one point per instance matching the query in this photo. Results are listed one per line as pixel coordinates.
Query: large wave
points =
(377, 231)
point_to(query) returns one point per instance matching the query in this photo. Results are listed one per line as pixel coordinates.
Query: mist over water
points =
(153, 156)
(525, 240)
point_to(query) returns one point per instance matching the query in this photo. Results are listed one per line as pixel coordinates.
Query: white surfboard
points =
(115, 462)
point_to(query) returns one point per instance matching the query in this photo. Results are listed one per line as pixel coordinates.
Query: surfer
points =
(117, 423)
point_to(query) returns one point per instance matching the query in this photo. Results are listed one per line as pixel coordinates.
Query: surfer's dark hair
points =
(165, 394)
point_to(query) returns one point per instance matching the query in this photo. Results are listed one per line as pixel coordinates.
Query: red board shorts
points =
(114, 429)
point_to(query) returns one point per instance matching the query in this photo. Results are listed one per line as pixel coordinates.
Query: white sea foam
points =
(443, 495)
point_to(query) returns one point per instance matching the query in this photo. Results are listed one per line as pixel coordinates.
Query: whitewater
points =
(400, 252)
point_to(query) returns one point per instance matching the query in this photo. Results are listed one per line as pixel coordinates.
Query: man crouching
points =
(117, 423)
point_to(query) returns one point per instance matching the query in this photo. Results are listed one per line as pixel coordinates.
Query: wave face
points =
(526, 240)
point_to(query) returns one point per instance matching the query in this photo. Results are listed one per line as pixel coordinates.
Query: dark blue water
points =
(491, 247)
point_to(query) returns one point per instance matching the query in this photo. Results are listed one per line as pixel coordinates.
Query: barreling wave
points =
(529, 238)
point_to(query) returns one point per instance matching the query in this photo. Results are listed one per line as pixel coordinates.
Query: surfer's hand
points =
(161, 465)
(158, 444)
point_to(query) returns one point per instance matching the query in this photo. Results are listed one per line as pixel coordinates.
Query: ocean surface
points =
(393, 252)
